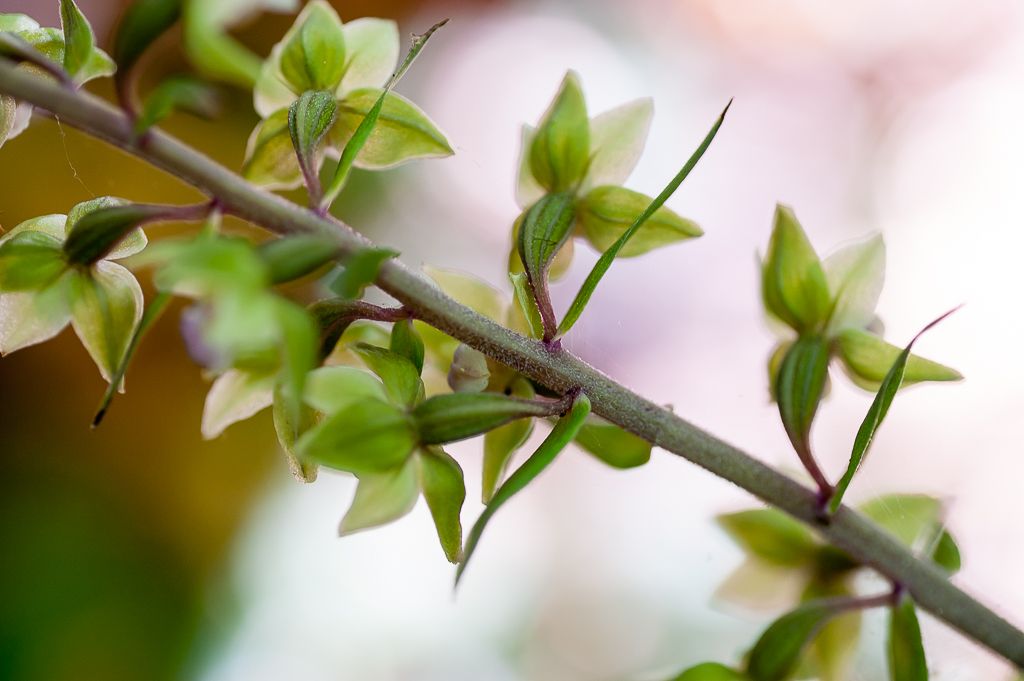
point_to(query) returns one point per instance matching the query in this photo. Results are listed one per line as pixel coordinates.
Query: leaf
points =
(868, 359)
(361, 134)
(771, 536)
(710, 671)
(445, 491)
(235, 396)
(613, 445)
(289, 430)
(401, 379)
(293, 257)
(360, 269)
(79, 40)
(95, 230)
(407, 343)
(310, 117)
(527, 306)
(906, 650)
(382, 498)
(469, 371)
(313, 52)
(876, 414)
(402, 132)
(799, 388)
(793, 281)
(946, 553)
(368, 436)
(502, 443)
(606, 212)
(836, 643)
(605, 261)
(299, 341)
(150, 314)
(208, 266)
(270, 159)
(543, 230)
(133, 242)
(334, 388)
(776, 654)
(457, 416)
(561, 435)
(178, 93)
(105, 309)
(855, 276)
(560, 150)
(617, 139)
(30, 260)
(142, 23)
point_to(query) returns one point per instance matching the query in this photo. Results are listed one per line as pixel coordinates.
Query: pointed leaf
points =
(946, 553)
(360, 269)
(776, 654)
(605, 261)
(457, 416)
(876, 414)
(178, 93)
(289, 430)
(906, 650)
(793, 281)
(310, 117)
(771, 536)
(313, 52)
(543, 230)
(799, 388)
(143, 22)
(106, 307)
(95, 231)
(133, 242)
(368, 436)
(560, 150)
(382, 498)
(527, 305)
(299, 342)
(855, 276)
(445, 491)
(405, 341)
(401, 379)
(868, 359)
(834, 647)
(236, 395)
(79, 40)
(617, 139)
(613, 445)
(293, 257)
(561, 435)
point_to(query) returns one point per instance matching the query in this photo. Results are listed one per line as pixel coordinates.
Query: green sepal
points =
(177, 93)
(405, 341)
(799, 387)
(904, 645)
(382, 498)
(289, 428)
(310, 118)
(793, 282)
(30, 260)
(867, 359)
(771, 536)
(710, 671)
(333, 388)
(560, 149)
(605, 213)
(456, 416)
(527, 304)
(444, 488)
(399, 375)
(777, 652)
(106, 307)
(313, 54)
(835, 644)
(95, 229)
(142, 23)
(360, 269)
(502, 443)
(613, 445)
(369, 436)
(543, 230)
(79, 40)
(293, 257)
(270, 159)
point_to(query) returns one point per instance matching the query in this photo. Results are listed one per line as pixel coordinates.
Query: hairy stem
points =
(549, 365)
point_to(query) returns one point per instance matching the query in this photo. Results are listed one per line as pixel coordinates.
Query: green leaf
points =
(382, 498)
(946, 553)
(407, 343)
(106, 307)
(401, 379)
(771, 536)
(235, 396)
(150, 314)
(561, 435)
(776, 654)
(401, 132)
(368, 436)
(799, 388)
(855, 276)
(96, 229)
(710, 671)
(208, 266)
(560, 150)
(143, 22)
(613, 445)
(543, 230)
(361, 134)
(833, 648)
(606, 213)
(178, 93)
(445, 491)
(906, 650)
(502, 443)
(456, 416)
(310, 117)
(617, 139)
(289, 429)
(334, 388)
(605, 261)
(360, 269)
(270, 159)
(469, 371)
(313, 52)
(526, 303)
(793, 281)
(79, 40)
(876, 414)
(868, 359)
(30, 260)
(299, 351)
(293, 257)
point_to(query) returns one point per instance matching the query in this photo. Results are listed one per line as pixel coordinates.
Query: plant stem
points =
(549, 365)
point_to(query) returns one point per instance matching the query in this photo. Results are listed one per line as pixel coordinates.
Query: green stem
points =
(550, 366)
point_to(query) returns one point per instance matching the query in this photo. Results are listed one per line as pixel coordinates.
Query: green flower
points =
(351, 62)
(41, 293)
(50, 42)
